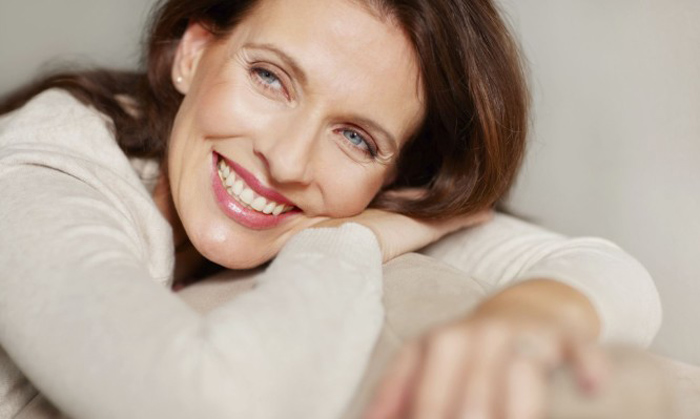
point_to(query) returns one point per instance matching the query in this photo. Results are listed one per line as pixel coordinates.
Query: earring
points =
(178, 80)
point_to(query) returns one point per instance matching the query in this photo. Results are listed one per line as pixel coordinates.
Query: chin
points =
(239, 258)
(233, 253)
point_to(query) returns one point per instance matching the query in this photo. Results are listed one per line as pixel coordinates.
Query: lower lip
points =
(238, 212)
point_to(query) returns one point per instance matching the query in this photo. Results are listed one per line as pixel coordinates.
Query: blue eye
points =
(268, 77)
(354, 137)
(359, 141)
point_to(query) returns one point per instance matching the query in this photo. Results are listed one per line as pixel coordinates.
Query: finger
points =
(485, 379)
(406, 193)
(394, 391)
(526, 389)
(445, 359)
(591, 367)
(545, 348)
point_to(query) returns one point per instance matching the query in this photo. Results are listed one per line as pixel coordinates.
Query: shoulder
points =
(55, 119)
(55, 129)
(50, 109)
(56, 149)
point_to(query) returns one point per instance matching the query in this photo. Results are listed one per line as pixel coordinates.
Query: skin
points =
(303, 131)
(478, 366)
(288, 126)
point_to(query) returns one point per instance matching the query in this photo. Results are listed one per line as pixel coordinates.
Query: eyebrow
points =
(288, 60)
(376, 127)
(297, 70)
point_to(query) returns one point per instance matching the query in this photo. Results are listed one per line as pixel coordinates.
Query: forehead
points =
(351, 55)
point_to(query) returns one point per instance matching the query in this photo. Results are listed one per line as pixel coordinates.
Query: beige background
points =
(615, 150)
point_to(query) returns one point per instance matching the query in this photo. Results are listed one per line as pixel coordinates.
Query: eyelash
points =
(370, 149)
(256, 71)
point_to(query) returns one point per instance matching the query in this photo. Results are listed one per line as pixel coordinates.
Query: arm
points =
(83, 319)
(507, 251)
(546, 303)
(550, 297)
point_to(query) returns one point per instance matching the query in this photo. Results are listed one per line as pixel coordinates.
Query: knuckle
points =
(447, 337)
(494, 331)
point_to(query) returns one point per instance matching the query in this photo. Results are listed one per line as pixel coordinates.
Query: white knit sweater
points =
(87, 316)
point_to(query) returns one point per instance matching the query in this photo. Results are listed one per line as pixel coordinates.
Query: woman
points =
(266, 129)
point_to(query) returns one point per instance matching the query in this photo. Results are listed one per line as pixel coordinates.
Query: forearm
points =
(544, 303)
(508, 251)
(79, 306)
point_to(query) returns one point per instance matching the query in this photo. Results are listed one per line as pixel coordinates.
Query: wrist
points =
(543, 305)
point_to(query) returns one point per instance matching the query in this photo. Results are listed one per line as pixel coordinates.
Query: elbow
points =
(618, 286)
(635, 313)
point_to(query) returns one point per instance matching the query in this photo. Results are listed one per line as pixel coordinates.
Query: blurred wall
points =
(41, 35)
(615, 150)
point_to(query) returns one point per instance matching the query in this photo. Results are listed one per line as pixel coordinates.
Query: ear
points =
(189, 51)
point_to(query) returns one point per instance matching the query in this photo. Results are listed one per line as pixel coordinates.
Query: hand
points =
(398, 234)
(483, 367)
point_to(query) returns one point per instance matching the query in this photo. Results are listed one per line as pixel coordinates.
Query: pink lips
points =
(240, 213)
(255, 184)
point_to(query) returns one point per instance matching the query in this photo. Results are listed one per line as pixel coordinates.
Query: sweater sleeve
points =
(83, 320)
(507, 250)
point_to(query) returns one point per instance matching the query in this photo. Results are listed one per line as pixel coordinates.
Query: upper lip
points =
(255, 184)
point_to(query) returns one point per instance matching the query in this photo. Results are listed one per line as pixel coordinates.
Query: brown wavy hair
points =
(467, 152)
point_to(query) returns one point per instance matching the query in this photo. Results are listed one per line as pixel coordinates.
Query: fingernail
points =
(589, 385)
(593, 373)
(593, 382)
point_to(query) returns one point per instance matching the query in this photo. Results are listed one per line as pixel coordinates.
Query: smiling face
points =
(296, 116)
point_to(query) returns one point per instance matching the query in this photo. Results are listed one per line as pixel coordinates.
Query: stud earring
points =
(178, 80)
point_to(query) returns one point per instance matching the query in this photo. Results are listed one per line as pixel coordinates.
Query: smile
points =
(245, 199)
(243, 193)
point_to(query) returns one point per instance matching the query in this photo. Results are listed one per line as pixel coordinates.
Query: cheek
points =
(230, 107)
(350, 191)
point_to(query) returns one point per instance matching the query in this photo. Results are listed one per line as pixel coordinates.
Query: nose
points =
(288, 153)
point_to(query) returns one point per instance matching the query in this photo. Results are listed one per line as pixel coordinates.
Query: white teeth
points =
(278, 209)
(269, 208)
(259, 203)
(238, 187)
(247, 196)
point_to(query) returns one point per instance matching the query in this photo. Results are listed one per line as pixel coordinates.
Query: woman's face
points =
(298, 115)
